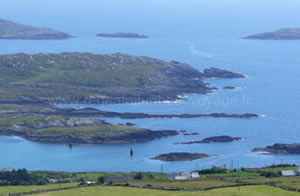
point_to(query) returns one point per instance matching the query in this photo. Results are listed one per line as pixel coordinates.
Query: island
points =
(122, 35)
(280, 149)
(281, 34)
(180, 156)
(12, 30)
(216, 139)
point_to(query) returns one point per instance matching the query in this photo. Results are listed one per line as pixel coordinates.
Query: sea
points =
(203, 34)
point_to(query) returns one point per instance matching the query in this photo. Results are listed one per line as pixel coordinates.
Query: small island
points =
(180, 156)
(12, 30)
(281, 34)
(122, 35)
(277, 149)
(216, 139)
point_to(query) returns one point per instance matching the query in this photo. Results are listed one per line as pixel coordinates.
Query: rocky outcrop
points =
(190, 134)
(180, 156)
(216, 139)
(11, 30)
(221, 73)
(280, 149)
(281, 34)
(122, 35)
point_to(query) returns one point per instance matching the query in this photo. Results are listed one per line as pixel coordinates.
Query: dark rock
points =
(220, 73)
(229, 87)
(130, 124)
(180, 156)
(182, 131)
(216, 139)
(187, 134)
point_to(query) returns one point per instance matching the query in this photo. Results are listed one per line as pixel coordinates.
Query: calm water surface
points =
(202, 34)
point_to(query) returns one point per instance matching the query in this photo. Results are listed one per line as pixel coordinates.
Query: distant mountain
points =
(121, 35)
(281, 34)
(12, 30)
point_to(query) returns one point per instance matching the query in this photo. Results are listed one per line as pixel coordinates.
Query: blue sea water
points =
(200, 33)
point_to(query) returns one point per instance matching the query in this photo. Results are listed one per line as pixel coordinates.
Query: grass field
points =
(19, 189)
(186, 184)
(122, 191)
(278, 169)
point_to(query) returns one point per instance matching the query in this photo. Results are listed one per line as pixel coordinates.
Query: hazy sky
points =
(154, 15)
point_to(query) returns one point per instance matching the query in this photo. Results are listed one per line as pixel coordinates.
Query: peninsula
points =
(91, 78)
(32, 85)
(122, 35)
(60, 129)
(281, 34)
(12, 30)
(47, 123)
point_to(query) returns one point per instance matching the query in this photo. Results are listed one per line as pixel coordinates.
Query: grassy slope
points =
(29, 123)
(20, 189)
(187, 184)
(117, 191)
(278, 169)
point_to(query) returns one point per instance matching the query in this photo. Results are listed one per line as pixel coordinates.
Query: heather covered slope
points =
(12, 30)
(83, 75)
